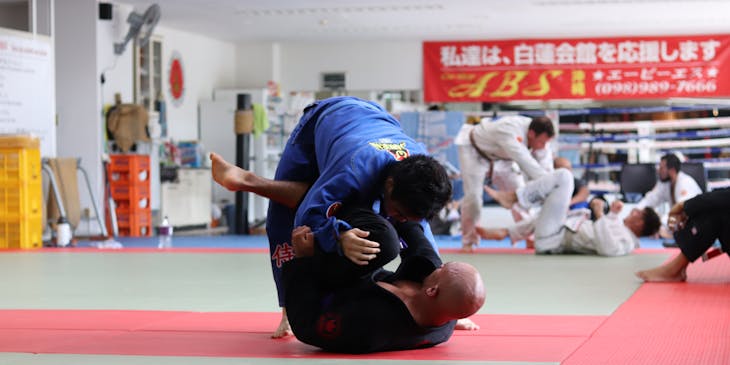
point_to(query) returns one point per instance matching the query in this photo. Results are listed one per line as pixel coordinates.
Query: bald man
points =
(417, 306)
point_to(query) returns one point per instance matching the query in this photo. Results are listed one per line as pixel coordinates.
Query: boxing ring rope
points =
(698, 136)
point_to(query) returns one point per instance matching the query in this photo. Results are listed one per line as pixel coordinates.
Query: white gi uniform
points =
(504, 141)
(685, 188)
(557, 231)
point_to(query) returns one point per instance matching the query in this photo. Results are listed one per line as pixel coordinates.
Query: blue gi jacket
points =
(354, 142)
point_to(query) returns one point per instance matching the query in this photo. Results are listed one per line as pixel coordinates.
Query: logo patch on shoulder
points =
(519, 139)
(397, 150)
(333, 209)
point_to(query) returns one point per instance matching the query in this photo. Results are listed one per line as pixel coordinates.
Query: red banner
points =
(590, 68)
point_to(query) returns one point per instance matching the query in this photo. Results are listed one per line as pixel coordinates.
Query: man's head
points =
(669, 166)
(562, 163)
(456, 289)
(539, 133)
(416, 188)
(643, 222)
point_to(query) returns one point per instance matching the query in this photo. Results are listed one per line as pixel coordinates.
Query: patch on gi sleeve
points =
(397, 150)
(333, 209)
(283, 253)
(329, 325)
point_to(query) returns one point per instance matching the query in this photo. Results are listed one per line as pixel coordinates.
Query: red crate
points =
(136, 231)
(130, 193)
(127, 218)
(119, 162)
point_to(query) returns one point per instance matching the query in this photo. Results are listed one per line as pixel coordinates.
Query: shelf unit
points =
(148, 72)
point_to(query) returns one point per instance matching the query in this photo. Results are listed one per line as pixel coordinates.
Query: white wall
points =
(255, 63)
(369, 65)
(118, 70)
(78, 106)
(208, 64)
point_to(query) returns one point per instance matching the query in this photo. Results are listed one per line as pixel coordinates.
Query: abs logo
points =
(397, 150)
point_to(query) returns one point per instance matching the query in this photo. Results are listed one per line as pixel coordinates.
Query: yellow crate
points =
(19, 141)
(18, 200)
(20, 160)
(21, 233)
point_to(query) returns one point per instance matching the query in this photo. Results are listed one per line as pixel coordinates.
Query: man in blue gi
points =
(343, 151)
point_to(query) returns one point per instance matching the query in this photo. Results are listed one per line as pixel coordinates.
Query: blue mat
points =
(258, 241)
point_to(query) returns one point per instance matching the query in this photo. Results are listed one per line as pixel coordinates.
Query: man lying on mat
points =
(331, 306)
(557, 231)
(696, 223)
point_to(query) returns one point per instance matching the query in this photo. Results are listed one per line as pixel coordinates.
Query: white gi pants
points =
(474, 170)
(552, 192)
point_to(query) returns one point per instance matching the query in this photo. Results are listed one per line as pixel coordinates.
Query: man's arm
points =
(656, 196)
(518, 152)
(612, 238)
(417, 242)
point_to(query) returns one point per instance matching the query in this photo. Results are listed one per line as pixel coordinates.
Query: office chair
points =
(636, 180)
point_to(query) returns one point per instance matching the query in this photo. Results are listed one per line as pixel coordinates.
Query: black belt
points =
(481, 153)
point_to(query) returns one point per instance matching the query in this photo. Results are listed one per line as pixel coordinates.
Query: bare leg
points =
(234, 178)
(284, 329)
(505, 198)
(493, 233)
(673, 271)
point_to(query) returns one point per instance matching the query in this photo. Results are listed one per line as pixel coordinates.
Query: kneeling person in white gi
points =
(558, 231)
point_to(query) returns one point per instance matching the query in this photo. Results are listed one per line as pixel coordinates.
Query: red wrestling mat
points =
(668, 323)
(215, 334)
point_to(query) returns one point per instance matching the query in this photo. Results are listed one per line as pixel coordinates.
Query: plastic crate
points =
(21, 233)
(129, 169)
(130, 192)
(128, 218)
(20, 199)
(136, 230)
(20, 160)
(119, 162)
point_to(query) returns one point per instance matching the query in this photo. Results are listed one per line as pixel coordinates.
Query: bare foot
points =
(228, 175)
(492, 234)
(468, 247)
(284, 329)
(662, 275)
(505, 198)
(466, 324)
(530, 241)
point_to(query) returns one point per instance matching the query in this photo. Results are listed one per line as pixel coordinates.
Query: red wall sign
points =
(590, 68)
(176, 79)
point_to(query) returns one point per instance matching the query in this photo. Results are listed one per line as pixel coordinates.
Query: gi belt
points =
(481, 153)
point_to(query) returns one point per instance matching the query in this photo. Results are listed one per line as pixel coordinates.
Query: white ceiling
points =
(342, 20)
